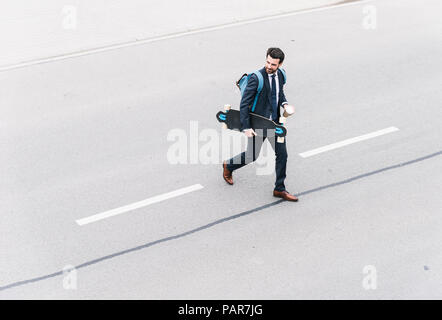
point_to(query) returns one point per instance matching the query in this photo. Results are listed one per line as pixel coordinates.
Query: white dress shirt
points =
(277, 84)
(277, 88)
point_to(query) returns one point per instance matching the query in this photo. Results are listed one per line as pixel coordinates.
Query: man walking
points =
(270, 99)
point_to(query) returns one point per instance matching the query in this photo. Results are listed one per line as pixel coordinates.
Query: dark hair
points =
(276, 53)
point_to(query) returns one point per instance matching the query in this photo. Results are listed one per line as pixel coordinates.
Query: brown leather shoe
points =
(285, 195)
(227, 174)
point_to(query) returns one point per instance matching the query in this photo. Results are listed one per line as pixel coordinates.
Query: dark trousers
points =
(254, 145)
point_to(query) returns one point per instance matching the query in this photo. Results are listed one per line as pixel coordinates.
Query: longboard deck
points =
(263, 127)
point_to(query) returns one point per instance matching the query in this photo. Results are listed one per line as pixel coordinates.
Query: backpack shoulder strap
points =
(284, 74)
(260, 85)
(260, 80)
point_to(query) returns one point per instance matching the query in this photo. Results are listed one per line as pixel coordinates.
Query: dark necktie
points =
(273, 96)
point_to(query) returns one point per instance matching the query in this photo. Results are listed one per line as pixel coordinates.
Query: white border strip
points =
(177, 35)
(347, 142)
(139, 204)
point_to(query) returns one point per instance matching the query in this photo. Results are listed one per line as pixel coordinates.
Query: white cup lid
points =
(289, 109)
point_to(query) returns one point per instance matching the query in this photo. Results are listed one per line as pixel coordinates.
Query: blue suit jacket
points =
(264, 104)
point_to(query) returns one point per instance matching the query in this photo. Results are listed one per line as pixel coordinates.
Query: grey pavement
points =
(88, 134)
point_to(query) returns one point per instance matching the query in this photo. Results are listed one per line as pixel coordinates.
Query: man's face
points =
(272, 65)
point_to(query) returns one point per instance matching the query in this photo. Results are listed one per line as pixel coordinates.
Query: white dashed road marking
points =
(347, 142)
(139, 204)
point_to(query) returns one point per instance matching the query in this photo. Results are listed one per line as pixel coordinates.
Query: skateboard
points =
(263, 127)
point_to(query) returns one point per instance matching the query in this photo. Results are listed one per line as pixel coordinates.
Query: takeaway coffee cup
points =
(288, 110)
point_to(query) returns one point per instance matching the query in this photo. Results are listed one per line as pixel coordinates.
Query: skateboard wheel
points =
(280, 139)
(227, 107)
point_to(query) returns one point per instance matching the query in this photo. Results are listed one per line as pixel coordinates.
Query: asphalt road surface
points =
(88, 134)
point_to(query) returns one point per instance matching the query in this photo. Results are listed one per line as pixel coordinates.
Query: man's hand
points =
(288, 110)
(250, 133)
